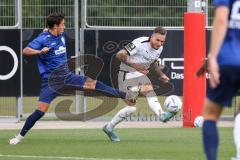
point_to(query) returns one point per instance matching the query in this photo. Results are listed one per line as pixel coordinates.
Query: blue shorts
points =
(50, 89)
(228, 87)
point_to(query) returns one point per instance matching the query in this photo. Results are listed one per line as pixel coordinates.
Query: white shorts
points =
(126, 79)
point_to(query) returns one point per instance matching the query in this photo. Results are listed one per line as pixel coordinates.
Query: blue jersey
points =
(56, 57)
(229, 53)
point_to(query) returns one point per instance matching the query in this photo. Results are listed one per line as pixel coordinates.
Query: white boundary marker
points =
(67, 158)
(99, 125)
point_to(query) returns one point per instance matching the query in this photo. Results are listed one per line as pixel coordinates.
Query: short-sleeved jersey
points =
(56, 57)
(229, 53)
(141, 52)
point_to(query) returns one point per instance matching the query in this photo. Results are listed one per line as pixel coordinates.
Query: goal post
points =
(194, 88)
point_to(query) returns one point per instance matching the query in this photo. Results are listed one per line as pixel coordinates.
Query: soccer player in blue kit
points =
(224, 69)
(50, 49)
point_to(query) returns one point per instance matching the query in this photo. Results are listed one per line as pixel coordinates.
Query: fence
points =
(120, 13)
(34, 12)
(7, 12)
(135, 13)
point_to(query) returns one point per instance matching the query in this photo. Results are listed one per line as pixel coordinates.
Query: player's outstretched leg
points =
(129, 97)
(90, 84)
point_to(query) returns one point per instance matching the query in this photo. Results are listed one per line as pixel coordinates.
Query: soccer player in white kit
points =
(137, 58)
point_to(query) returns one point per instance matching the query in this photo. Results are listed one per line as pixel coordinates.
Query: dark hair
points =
(54, 18)
(160, 30)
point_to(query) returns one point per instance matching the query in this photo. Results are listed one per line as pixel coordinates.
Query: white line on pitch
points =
(68, 158)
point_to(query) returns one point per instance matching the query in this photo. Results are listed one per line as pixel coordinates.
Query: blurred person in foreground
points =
(224, 69)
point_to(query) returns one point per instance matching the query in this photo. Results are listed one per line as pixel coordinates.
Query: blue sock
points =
(210, 139)
(107, 89)
(31, 120)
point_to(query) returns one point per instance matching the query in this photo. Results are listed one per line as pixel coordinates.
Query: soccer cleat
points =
(166, 116)
(16, 140)
(111, 134)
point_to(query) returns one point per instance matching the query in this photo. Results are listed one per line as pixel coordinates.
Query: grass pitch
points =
(92, 144)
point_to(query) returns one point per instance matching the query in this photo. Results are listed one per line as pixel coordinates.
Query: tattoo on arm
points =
(123, 56)
(156, 68)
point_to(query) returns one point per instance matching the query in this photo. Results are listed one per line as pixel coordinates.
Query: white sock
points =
(19, 137)
(236, 135)
(155, 105)
(120, 116)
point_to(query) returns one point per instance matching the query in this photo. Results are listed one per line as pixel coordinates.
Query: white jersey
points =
(141, 52)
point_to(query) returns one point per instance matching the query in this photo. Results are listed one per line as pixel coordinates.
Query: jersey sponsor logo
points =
(234, 22)
(60, 50)
(129, 47)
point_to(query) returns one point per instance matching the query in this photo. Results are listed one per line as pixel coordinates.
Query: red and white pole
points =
(194, 88)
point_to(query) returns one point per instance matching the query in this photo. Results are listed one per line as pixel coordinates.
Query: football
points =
(173, 103)
(198, 121)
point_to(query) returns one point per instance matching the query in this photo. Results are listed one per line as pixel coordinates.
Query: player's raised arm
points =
(29, 51)
(36, 46)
